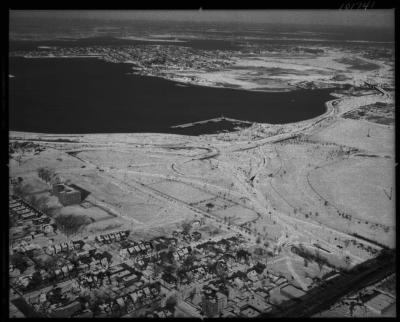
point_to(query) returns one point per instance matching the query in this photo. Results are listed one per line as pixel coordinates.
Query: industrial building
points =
(381, 303)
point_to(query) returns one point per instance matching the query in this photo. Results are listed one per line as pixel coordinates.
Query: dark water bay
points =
(79, 95)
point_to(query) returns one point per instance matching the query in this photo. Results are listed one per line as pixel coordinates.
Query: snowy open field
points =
(181, 191)
(237, 214)
(340, 184)
(354, 133)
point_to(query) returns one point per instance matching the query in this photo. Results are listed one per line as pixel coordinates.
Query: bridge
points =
(377, 87)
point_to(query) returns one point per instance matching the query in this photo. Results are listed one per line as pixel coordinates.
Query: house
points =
(129, 278)
(154, 291)
(42, 298)
(160, 314)
(82, 254)
(195, 224)
(121, 303)
(252, 275)
(123, 273)
(104, 262)
(238, 282)
(50, 250)
(186, 237)
(70, 245)
(280, 281)
(29, 215)
(124, 233)
(168, 280)
(196, 236)
(140, 263)
(263, 294)
(24, 281)
(134, 297)
(116, 269)
(64, 247)
(140, 294)
(57, 249)
(58, 273)
(48, 229)
(158, 244)
(124, 252)
(146, 291)
(65, 270)
(44, 274)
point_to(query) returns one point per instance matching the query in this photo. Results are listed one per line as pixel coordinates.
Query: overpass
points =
(329, 292)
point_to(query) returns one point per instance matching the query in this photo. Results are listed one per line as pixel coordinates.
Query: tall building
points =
(222, 301)
(213, 303)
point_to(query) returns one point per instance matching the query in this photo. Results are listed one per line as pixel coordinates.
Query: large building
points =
(213, 302)
(66, 194)
(381, 303)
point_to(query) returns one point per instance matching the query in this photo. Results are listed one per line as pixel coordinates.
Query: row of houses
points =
(186, 236)
(144, 249)
(23, 211)
(221, 246)
(28, 222)
(65, 247)
(23, 248)
(65, 271)
(196, 275)
(46, 276)
(148, 295)
(92, 278)
(181, 253)
(161, 313)
(162, 243)
(112, 237)
(27, 232)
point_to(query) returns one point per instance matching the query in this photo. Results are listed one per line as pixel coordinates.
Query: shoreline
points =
(327, 110)
(183, 80)
(328, 105)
